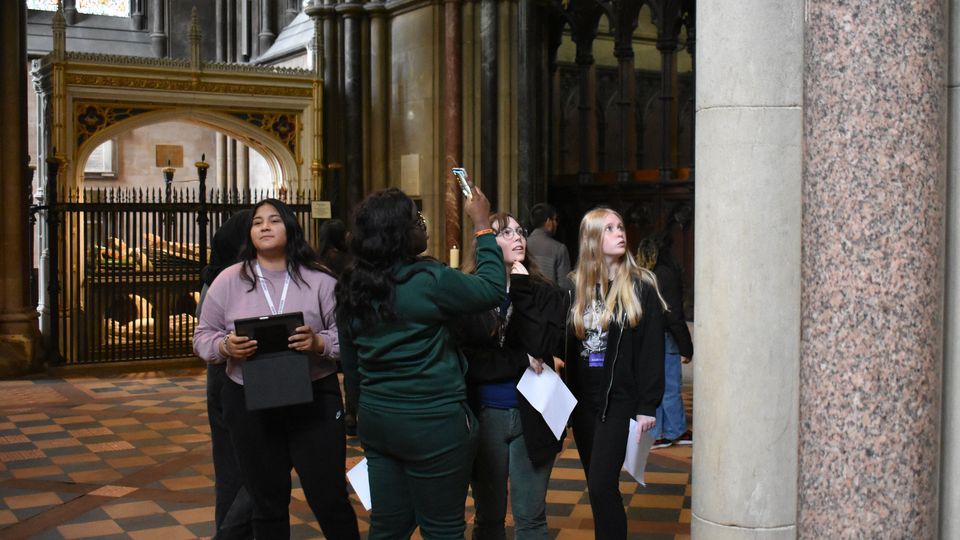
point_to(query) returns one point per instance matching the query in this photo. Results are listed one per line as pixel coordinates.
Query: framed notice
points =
(169, 155)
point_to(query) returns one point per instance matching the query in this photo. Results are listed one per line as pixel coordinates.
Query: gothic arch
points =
(278, 157)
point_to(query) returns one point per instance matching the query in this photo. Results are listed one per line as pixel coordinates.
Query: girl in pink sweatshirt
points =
(279, 273)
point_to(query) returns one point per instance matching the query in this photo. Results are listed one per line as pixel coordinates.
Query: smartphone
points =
(461, 175)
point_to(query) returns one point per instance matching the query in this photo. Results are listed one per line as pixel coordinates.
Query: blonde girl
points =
(617, 319)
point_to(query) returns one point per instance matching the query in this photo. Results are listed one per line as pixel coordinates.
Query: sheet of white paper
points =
(549, 396)
(636, 460)
(360, 480)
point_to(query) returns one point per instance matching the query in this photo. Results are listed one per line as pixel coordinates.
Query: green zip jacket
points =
(413, 363)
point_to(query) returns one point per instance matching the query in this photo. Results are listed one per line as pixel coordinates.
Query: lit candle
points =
(454, 257)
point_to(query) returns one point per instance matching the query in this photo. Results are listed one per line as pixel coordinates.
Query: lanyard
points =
(266, 293)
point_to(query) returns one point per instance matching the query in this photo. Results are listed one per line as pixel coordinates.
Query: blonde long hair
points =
(621, 301)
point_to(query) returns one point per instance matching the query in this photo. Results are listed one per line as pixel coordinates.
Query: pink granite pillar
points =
(872, 278)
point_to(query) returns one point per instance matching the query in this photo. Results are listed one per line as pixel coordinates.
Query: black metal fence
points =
(125, 268)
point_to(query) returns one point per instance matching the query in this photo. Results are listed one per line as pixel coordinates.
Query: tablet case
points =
(275, 376)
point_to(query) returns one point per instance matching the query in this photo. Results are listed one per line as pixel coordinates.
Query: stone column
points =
(290, 11)
(352, 13)
(950, 430)
(245, 41)
(332, 107)
(220, 29)
(527, 109)
(585, 20)
(221, 159)
(70, 11)
(489, 144)
(231, 179)
(452, 121)
(137, 15)
(231, 31)
(19, 335)
(668, 26)
(158, 37)
(873, 241)
(243, 170)
(626, 12)
(222, 36)
(748, 269)
(379, 94)
(266, 35)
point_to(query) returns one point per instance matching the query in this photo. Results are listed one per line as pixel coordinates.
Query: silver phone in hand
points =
(461, 175)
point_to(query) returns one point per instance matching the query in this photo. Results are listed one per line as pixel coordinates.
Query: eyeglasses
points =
(421, 221)
(510, 234)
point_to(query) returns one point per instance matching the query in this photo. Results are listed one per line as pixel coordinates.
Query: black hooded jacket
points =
(633, 364)
(536, 326)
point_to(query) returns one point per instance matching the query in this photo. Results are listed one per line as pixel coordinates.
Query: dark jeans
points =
(503, 454)
(603, 447)
(419, 471)
(234, 509)
(308, 437)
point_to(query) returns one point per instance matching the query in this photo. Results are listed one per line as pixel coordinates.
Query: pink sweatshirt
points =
(230, 298)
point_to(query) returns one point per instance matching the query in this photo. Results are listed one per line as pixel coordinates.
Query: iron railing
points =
(125, 267)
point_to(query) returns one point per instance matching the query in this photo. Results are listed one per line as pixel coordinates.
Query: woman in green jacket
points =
(393, 313)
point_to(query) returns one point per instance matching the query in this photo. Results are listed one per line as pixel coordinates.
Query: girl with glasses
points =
(515, 442)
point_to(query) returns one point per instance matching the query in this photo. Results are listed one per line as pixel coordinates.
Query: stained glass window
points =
(113, 8)
(45, 5)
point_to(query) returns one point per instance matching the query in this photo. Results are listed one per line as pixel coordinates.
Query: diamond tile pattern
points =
(128, 456)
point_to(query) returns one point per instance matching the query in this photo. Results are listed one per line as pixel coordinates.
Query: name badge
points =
(595, 359)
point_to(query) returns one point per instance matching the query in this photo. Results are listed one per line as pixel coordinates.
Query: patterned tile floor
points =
(128, 456)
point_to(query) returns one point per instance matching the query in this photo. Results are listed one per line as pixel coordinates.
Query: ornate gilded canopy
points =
(85, 99)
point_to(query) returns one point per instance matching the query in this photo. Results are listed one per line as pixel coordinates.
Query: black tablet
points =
(271, 332)
(275, 376)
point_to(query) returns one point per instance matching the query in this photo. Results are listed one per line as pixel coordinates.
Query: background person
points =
(515, 442)
(617, 319)
(335, 255)
(393, 309)
(279, 273)
(655, 253)
(332, 247)
(551, 256)
(233, 513)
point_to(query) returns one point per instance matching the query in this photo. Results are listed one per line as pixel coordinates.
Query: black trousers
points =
(603, 447)
(234, 509)
(309, 438)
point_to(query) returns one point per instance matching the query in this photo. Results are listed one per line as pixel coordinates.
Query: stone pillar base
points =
(715, 531)
(19, 354)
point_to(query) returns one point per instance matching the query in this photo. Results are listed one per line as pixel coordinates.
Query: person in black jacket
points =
(332, 247)
(655, 253)
(515, 441)
(233, 511)
(335, 255)
(617, 319)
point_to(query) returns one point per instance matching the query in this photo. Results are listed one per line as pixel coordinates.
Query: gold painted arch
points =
(276, 151)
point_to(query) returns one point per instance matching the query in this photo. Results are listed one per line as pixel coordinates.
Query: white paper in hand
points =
(549, 396)
(636, 460)
(360, 480)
